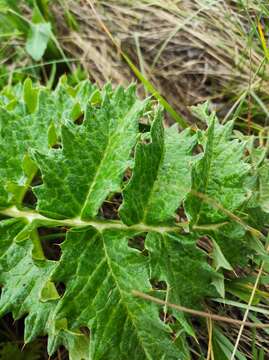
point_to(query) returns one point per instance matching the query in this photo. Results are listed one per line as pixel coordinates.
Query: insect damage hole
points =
(158, 285)
(85, 331)
(29, 199)
(60, 287)
(127, 175)
(181, 215)
(110, 207)
(138, 242)
(51, 239)
(80, 119)
(57, 146)
(161, 287)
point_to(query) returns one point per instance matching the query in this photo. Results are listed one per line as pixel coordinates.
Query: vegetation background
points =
(181, 52)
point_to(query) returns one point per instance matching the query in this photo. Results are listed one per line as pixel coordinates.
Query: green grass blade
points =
(151, 89)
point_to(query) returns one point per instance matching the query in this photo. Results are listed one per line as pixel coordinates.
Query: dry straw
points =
(190, 50)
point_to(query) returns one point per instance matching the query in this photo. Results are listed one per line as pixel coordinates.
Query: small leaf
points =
(202, 112)
(37, 40)
(49, 292)
(218, 282)
(219, 258)
(30, 95)
(52, 135)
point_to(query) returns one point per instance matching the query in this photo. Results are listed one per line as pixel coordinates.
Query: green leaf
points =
(234, 243)
(98, 150)
(76, 148)
(176, 260)
(223, 347)
(218, 282)
(29, 125)
(30, 95)
(37, 39)
(264, 186)
(17, 135)
(219, 259)
(22, 279)
(216, 177)
(27, 289)
(161, 177)
(102, 288)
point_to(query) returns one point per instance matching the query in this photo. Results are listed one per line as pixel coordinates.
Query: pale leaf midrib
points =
(105, 153)
(100, 225)
(211, 153)
(123, 302)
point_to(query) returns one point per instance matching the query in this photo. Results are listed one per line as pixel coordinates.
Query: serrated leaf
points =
(216, 177)
(161, 176)
(25, 281)
(21, 130)
(176, 260)
(81, 142)
(102, 287)
(234, 243)
(18, 275)
(98, 150)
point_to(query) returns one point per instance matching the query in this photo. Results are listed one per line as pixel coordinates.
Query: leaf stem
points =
(33, 216)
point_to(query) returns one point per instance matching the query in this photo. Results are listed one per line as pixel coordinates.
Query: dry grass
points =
(191, 50)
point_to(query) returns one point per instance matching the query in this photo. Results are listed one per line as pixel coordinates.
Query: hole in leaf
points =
(127, 175)
(180, 215)
(15, 328)
(146, 139)
(51, 238)
(60, 286)
(144, 127)
(138, 242)
(30, 199)
(85, 330)
(80, 119)
(109, 209)
(57, 146)
(37, 180)
(158, 285)
(205, 243)
(198, 149)
(166, 317)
